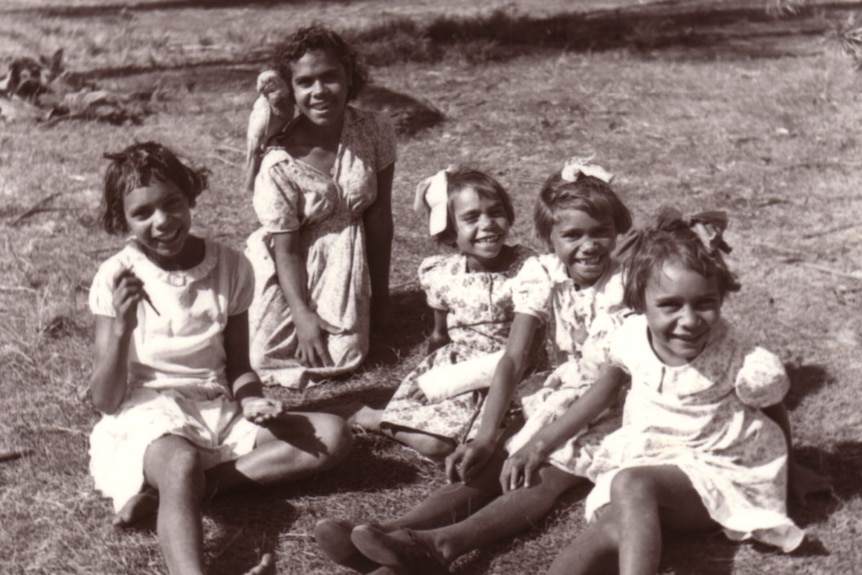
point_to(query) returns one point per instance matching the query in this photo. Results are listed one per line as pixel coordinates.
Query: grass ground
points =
(695, 104)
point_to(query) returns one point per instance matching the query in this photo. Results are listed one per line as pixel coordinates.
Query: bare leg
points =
(172, 465)
(431, 446)
(298, 445)
(509, 514)
(642, 500)
(453, 503)
(445, 506)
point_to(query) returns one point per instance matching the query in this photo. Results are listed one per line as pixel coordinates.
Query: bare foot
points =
(266, 566)
(140, 506)
(358, 414)
(367, 418)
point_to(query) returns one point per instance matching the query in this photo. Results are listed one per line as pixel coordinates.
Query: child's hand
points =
(805, 482)
(518, 469)
(261, 410)
(467, 460)
(128, 292)
(312, 351)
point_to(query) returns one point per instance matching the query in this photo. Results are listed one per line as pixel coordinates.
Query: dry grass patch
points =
(691, 115)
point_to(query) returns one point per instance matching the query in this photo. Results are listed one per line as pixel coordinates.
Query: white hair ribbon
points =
(432, 194)
(576, 166)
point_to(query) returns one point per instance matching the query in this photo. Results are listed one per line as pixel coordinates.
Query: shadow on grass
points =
(843, 465)
(804, 380)
(250, 523)
(410, 319)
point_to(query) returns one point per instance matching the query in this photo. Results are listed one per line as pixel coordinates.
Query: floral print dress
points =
(705, 418)
(479, 314)
(291, 195)
(580, 322)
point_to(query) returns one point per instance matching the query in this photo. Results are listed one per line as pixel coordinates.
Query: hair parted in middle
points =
(459, 178)
(587, 194)
(317, 37)
(670, 239)
(137, 166)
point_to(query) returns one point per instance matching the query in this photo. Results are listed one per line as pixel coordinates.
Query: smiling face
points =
(681, 307)
(319, 83)
(481, 227)
(160, 218)
(583, 243)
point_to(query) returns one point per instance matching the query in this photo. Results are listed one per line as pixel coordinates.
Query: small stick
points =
(824, 269)
(150, 301)
(12, 455)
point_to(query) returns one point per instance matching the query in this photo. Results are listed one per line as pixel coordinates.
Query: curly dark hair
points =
(587, 194)
(486, 186)
(671, 240)
(317, 37)
(137, 166)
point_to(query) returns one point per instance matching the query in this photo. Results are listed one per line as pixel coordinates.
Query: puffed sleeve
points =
(432, 278)
(241, 278)
(102, 289)
(277, 200)
(762, 381)
(623, 346)
(531, 290)
(384, 142)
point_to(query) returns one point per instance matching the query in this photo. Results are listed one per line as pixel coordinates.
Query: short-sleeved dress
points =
(705, 418)
(580, 321)
(291, 195)
(479, 315)
(177, 384)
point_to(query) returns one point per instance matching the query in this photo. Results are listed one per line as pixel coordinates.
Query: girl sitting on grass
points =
(323, 198)
(182, 411)
(705, 438)
(568, 292)
(470, 293)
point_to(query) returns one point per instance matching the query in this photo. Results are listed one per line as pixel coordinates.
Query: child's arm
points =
(378, 247)
(113, 334)
(290, 268)
(519, 467)
(469, 458)
(243, 381)
(801, 481)
(440, 334)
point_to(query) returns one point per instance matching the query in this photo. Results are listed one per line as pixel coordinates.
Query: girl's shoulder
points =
(442, 264)
(520, 256)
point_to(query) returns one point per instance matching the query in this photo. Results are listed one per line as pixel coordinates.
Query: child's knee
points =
(335, 434)
(171, 460)
(630, 484)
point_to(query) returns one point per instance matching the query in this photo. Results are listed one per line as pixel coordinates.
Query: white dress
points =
(580, 322)
(291, 195)
(177, 383)
(705, 418)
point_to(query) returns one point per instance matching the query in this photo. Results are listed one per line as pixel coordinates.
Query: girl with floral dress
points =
(322, 195)
(470, 293)
(570, 293)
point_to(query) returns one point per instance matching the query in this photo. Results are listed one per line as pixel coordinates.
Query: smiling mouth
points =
(488, 240)
(589, 262)
(169, 238)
